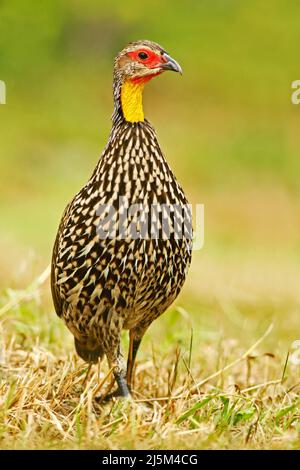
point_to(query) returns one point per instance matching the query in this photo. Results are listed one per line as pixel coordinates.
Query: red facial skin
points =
(153, 61)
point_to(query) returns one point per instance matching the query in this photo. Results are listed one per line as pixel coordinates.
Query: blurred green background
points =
(227, 126)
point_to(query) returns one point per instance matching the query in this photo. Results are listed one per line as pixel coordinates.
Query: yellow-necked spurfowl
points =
(123, 245)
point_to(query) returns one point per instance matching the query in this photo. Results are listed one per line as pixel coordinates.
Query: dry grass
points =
(217, 396)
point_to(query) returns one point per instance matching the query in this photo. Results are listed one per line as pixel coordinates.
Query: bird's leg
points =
(109, 336)
(135, 338)
(87, 374)
(116, 362)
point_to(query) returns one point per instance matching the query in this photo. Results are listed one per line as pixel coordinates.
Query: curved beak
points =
(170, 64)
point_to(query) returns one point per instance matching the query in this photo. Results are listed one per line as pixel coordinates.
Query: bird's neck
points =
(128, 100)
(132, 101)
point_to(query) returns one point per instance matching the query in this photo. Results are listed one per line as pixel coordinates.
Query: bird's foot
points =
(116, 395)
(121, 393)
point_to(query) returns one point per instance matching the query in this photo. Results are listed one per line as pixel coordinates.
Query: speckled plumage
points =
(101, 286)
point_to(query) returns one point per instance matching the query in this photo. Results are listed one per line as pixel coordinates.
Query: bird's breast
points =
(118, 243)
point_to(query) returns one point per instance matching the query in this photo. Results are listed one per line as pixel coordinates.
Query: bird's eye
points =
(143, 55)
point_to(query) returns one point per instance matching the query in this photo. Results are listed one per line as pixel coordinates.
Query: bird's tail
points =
(88, 350)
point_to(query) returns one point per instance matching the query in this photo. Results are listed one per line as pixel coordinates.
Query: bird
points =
(124, 242)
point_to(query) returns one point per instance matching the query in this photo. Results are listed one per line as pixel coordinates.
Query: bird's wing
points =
(57, 300)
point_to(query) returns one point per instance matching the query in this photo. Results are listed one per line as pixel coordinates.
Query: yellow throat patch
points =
(132, 101)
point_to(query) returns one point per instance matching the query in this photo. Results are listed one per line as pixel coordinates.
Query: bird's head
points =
(135, 65)
(142, 60)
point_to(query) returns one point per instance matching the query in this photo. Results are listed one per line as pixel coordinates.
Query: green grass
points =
(202, 381)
